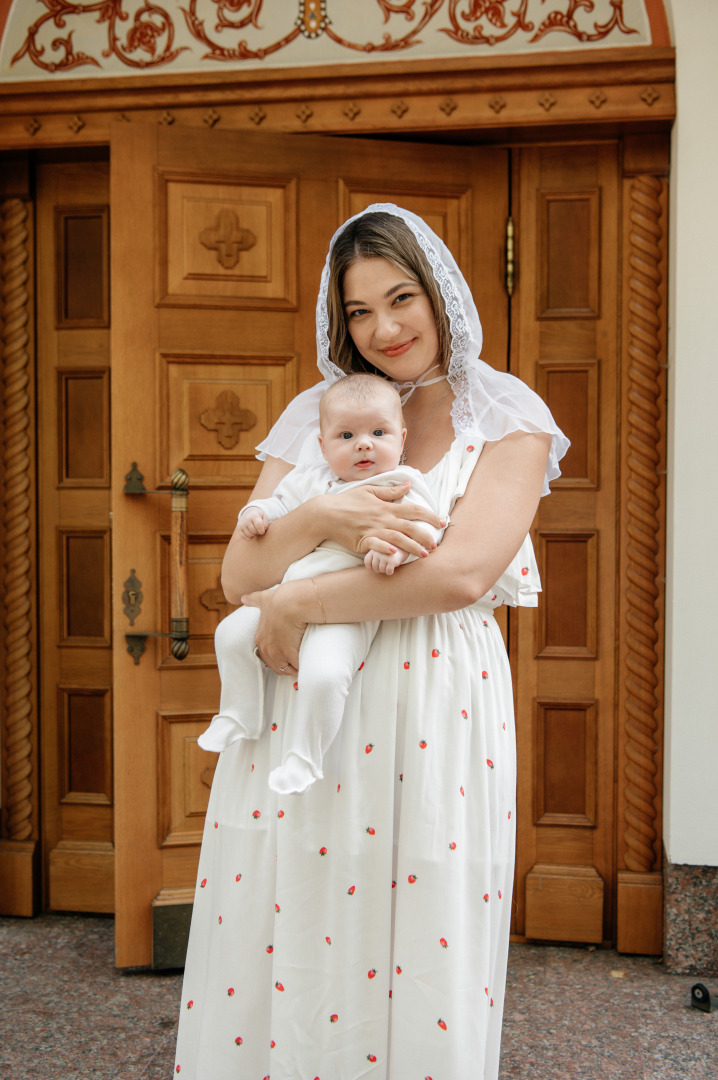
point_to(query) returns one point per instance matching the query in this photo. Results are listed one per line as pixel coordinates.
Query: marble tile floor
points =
(66, 1013)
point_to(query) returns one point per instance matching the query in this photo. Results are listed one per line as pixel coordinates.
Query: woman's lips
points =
(396, 350)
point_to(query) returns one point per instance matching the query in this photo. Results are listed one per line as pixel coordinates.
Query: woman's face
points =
(390, 319)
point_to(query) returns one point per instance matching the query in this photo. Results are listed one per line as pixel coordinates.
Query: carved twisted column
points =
(19, 796)
(642, 562)
(643, 570)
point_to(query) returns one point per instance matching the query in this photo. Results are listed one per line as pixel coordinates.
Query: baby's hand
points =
(384, 564)
(253, 522)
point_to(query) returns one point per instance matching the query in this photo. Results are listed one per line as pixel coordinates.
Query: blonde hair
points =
(359, 388)
(379, 236)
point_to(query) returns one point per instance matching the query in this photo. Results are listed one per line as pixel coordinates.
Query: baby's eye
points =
(345, 435)
(379, 431)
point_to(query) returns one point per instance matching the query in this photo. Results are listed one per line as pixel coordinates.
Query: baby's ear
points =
(321, 446)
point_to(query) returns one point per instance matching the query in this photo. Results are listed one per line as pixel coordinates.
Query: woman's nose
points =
(387, 327)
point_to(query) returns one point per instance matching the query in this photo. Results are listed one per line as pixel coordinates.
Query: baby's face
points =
(362, 440)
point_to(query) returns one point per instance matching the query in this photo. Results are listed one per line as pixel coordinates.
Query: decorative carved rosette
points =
(643, 521)
(17, 566)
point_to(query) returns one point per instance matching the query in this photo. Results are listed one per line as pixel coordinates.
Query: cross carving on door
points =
(227, 418)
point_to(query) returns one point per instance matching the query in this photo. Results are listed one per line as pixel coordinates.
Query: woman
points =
(362, 929)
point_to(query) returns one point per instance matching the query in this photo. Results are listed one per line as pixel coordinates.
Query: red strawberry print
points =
(270, 948)
(461, 790)
(361, 665)
(272, 1044)
(524, 570)
(178, 1068)
(333, 1018)
(371, 973)
(238, 1041)
(411, 879)
(491, 1003)
(484, 674)
(216, 824)
(485, 622)
(328, 940)
(350, 890)
(252, 769)
(444, 943)
(277, 908)
(371, 1057)
(486, 897)
(230, 992)
(280, 813)
(500, 894)
(279, 987)
(469, 449)
(274, 727)
(339, 787)
(219, 920)
(256, 814)
(489, 762)
(486, 990)
(401, 777)
(322, 851)
(509, 815)
(452, 845)
(390, 994)
(296, 686)
(442, 1024)
(407, 665)
(238, 877)
(393, 884)
(423, 744)
(371, 830)
(464, 714)
(435, 653)
(203, 882)
(398, 970)
(190, 1004)
(368, 748)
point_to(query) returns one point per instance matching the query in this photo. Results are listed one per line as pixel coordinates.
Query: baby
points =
(362, 441)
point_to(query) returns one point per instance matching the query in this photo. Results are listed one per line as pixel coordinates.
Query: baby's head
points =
(362, 428)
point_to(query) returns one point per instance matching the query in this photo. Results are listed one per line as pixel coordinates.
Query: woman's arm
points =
(349, 520)
(488, 526)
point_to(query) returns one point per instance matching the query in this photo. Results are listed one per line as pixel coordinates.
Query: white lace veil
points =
(488, 404)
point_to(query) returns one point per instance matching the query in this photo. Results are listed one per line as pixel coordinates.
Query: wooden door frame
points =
(626, 94)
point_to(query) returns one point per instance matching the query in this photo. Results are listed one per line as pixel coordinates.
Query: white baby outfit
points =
(329, 656)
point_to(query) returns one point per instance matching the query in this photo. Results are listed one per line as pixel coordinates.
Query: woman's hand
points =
(354, 518)
(281, 627)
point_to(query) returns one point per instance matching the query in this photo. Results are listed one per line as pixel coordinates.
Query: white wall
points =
(691, 772)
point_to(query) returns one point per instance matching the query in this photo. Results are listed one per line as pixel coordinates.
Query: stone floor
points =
(66, 1013)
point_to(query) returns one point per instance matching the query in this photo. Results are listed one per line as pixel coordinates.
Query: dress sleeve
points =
(296, 428)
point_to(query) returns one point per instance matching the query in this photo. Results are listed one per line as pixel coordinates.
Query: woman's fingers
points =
(388, 540)
(278, 636)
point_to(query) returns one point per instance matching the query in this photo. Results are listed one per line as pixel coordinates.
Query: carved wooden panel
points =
(447, 212)
(571, 392)
(216, 408)
(86, 745)
(569, 603)
(84, 587)
(184, 777)
(83, 264)
(568, 254)
(84, 427)
(206, 601)
(226, 242)
(565, 759)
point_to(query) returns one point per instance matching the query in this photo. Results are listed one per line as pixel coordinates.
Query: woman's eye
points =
(356, 312)
(379, 431)
(403, 296)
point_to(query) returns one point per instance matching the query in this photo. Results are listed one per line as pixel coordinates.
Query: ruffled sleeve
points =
(520, 584)
(291, 437)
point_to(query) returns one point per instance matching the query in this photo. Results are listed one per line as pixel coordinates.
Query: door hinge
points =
(510, 265)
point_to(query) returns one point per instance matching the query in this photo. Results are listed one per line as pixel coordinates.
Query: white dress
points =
(361, 929)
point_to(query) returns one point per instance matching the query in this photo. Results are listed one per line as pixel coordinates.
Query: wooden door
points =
(566, 344)
(218, 240)
(73, 387)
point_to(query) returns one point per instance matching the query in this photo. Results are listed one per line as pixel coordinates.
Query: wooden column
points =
(18, 669)
(642, 545)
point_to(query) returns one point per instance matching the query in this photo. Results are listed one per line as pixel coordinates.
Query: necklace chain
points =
(423, 427)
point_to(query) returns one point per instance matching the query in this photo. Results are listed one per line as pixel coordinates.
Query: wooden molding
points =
(642, 545)
(608, 89)
(18, 663)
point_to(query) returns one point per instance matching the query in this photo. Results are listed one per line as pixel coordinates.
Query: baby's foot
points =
(222, 732)
(292, 777)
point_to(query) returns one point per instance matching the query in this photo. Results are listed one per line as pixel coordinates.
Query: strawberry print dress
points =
(361, 930)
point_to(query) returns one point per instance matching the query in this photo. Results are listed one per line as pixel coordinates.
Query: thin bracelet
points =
(319, 600)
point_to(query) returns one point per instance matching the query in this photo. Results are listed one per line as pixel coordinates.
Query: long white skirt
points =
(361, 929)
